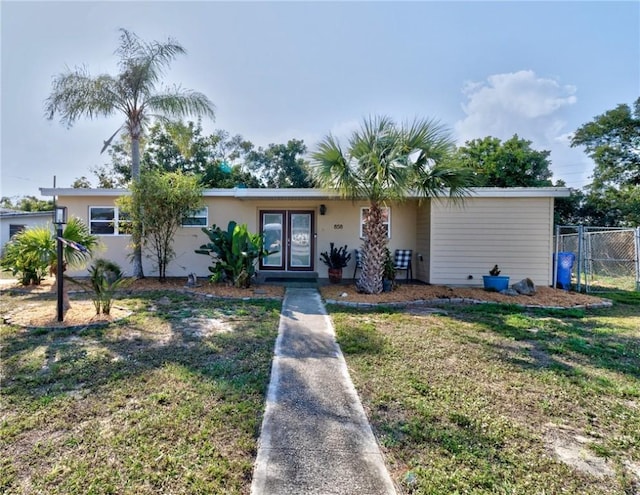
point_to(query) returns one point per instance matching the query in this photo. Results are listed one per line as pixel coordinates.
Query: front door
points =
(288, 236)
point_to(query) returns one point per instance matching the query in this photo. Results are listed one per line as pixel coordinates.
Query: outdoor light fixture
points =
(60, 215)
(323, 209)
(60, 218)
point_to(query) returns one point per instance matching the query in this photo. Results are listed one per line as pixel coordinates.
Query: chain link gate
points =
(607, 258)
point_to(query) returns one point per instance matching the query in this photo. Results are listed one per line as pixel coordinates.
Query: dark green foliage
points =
(510, 164)
(235, 252)
(336, 257)
(174, 146)
(105, 278)
(26, 203)
(389, 267)
(281, 165)
(612, 140)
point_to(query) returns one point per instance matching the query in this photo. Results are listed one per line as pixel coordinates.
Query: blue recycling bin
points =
(565, 266)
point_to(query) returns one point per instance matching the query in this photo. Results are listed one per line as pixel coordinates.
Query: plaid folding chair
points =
(402, 261)
(358, 258)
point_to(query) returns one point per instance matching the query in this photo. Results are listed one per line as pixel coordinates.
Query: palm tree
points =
(133, 93)
(386, 162)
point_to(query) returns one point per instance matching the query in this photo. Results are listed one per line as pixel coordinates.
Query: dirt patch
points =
(45, 314)
(570, 447)
(203, 327)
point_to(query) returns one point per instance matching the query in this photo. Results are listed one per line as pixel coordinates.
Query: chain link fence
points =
(605, 258)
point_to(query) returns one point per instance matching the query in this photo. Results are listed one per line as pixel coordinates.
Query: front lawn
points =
(169, 400)
(498, 399)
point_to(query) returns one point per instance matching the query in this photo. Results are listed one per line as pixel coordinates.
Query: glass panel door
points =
(301, 232)
(272, 231)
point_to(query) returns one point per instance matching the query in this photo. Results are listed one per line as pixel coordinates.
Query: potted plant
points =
(494, 281)
(336, 259)
(388, 272)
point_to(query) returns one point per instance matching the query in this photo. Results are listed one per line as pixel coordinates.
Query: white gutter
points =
(7, 214)
(255, 193)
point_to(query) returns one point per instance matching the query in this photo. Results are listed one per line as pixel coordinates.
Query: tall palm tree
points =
(132, 92)
(385, 162)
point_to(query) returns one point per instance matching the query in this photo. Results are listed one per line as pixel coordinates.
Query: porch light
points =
(60, 215)
(323, 209)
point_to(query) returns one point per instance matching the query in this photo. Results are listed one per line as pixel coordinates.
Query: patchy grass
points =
(497, 399)
(169, 400)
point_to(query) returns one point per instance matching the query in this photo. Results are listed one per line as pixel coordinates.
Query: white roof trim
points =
(18, 213)
(253, 193)
(518, 192)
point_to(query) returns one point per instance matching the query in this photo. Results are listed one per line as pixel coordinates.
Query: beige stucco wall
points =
(468, 239)
(114, 248)
(340, 224)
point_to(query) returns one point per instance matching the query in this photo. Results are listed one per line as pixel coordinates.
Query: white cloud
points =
(515, 102)
(528, 105)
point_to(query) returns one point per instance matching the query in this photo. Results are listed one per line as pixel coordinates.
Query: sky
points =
(283, 70)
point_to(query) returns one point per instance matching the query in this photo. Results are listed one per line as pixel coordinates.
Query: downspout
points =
(556, 257)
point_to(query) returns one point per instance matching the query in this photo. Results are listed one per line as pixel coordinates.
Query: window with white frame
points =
(197, 218)
(108, 220)
(15, 229)
(386, 219)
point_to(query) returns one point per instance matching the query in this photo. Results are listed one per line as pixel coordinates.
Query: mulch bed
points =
(82, 313)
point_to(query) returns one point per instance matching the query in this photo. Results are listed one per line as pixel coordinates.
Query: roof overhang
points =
(25, 214)
(302, 194)
(518, 192)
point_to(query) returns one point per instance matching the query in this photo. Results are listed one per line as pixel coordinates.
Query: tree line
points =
(222, 160)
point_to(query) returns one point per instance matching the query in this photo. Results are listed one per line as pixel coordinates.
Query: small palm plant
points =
(105, 277)
(28, 255)
(31, 254)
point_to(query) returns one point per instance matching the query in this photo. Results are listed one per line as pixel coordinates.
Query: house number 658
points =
(337, 226)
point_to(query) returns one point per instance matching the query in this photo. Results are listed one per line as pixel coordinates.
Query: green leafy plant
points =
(235, 252)
(336, 258)
(389, 268)
(28, 255)
(105, 278)
(31, 254)
(160, 201)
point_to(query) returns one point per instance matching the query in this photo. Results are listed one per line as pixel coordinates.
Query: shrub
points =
(105, 278)
(29, 254)
(235, 252)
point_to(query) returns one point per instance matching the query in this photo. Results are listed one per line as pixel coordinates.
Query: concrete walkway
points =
(315, 436)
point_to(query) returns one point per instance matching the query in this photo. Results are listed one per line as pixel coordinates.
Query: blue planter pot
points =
(495, 283)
